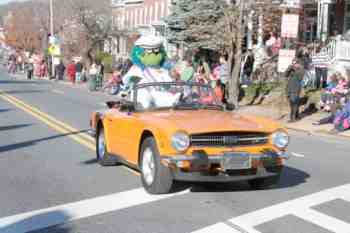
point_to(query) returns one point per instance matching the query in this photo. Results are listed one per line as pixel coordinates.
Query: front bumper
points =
(266, 167)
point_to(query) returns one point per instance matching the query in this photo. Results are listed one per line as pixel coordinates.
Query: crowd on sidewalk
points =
(334, 89)
(309, 71)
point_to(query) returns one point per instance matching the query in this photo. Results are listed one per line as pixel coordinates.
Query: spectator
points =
(308, 79)
(224, 74)
(295, 74)
(12, 64)
(19, 63)
(188, 72)
(60, 70)
(71, 72)
(78, 71)
(327, 97)
(215, 76)
(93, 71)
(114, 83)
(219, 93)
(320, 62)
(43, 69)
(342, 119)
(200, 76)
(248, 64)
(30, 68)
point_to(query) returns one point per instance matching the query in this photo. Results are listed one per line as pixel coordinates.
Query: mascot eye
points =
(148, 50)
(156, 50)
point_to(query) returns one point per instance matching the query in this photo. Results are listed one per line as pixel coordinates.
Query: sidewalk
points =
(304, 125)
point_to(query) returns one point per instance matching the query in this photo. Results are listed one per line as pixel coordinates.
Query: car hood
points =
(202, 121)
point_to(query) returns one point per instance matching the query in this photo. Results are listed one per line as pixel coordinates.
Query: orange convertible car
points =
(178, 131)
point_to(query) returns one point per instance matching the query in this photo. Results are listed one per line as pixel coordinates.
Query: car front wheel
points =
(102, 156)
(156, 178)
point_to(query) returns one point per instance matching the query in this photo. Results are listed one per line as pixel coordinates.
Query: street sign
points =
(53, 40)
(54, 50)
(290, 25)
(285, 59)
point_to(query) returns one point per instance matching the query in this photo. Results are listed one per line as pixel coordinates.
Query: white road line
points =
(218, 228)
(44, 218)
(57, 91)
(299, 207)
(327, 222)
(298, 155)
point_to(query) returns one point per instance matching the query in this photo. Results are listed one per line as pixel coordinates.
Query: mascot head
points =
(148, 52)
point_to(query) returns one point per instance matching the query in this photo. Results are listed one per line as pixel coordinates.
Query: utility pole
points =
(52, 35)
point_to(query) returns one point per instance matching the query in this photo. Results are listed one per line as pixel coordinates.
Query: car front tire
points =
(156, 178)
(102, 156)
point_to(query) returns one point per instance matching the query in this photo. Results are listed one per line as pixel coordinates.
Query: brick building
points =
(133, 18)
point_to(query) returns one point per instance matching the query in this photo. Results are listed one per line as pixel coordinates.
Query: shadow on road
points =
(46, 222)
(290, 177)
(11, 127)
(5, 110)
(19, 82)
(33, 142)
(22, 91)
(90, 162)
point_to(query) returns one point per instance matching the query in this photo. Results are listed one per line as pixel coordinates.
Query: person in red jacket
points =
(71, 71)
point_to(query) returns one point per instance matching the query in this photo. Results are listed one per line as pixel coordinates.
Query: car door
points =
(114, 132)
(130, 129)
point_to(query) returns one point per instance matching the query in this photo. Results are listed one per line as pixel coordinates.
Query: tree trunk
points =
(235, 79)
(235, 72)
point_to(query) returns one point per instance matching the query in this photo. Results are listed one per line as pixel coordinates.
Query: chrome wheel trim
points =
(101, 145)
(148, 166)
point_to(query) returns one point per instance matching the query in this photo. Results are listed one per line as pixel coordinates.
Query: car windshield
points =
(155, 96)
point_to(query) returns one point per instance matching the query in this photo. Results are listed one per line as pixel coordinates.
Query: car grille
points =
(229, 139)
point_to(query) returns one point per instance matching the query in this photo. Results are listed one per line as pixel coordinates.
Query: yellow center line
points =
(50, 118)
(81, 138)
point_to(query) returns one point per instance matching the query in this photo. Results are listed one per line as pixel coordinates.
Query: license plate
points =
(236, 161)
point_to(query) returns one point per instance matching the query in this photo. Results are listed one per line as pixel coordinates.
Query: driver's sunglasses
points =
(156, 50)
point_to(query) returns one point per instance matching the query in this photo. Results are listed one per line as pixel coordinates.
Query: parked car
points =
(180, 131)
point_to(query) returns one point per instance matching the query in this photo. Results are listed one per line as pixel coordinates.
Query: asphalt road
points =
(50, 181)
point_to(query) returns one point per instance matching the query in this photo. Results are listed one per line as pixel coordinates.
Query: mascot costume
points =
(148, 57)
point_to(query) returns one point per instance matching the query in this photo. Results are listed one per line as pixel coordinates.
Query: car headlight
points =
(280, 139)
(180, 141)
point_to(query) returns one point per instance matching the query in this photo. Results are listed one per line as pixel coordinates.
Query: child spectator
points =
(114, 83)
(219, 91)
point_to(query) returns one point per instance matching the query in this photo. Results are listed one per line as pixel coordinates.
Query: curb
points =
(323, 133)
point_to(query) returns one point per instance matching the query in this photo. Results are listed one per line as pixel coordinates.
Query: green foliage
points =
(106, 59)
(194, 22)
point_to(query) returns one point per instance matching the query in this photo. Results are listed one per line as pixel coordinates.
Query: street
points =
(51, 182)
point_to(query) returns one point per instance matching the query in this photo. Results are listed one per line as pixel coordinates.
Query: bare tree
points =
(95, 19)
(230, 34)
(22, 31)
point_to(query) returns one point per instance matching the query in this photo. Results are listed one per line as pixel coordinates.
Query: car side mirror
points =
(230, 107)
